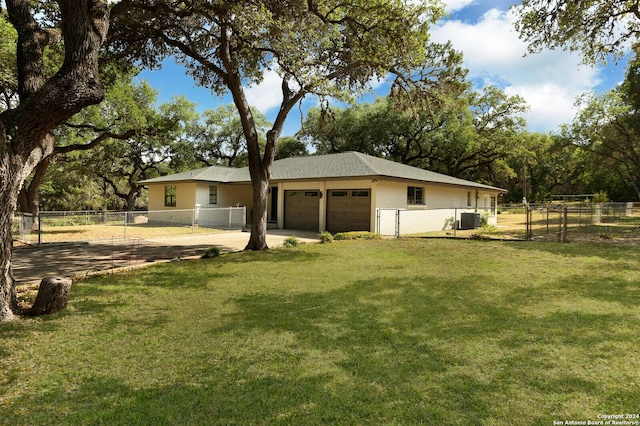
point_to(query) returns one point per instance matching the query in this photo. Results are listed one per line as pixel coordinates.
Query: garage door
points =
(348, 210)
(302, 210)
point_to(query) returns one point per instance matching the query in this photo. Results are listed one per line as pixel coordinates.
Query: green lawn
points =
(401, 332)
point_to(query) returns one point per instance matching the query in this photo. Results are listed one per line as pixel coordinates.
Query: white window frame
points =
(213, 195)
(412, 196)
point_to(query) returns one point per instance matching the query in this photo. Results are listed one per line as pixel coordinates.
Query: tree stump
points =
(52, 296)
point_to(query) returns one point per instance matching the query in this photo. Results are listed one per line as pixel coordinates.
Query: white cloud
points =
(266, 95)
(455, 5)
(550, 81)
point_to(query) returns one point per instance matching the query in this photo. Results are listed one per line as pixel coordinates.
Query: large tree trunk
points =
(260, 186)
(8, 195)
(14, 170)
(25, 137)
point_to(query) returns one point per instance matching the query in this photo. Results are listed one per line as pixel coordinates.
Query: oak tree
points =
(44, 103)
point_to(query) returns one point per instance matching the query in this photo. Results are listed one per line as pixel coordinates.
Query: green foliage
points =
(217, 137)
(484, 218)
(469, 135)
(600, 197)
(213, 251)
(608, 128)
(325, 237)
(356, 235)
(137, 141)
(291, 242)
(600, 29)
(449, 222)
(290, 147)
(8, 67)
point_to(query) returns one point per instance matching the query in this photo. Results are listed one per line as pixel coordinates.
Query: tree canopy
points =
(597, 28)
(469, 136)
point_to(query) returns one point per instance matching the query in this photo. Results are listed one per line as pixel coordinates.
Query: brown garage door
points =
(348, 210)
(302, 210)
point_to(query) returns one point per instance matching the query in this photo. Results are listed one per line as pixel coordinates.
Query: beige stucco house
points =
(336, 192)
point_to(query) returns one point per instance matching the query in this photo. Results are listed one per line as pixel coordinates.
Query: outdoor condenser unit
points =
(469, 220)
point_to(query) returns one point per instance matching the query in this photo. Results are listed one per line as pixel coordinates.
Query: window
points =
(415, 195)
(493, 204)
(170, 196)
(213, 195)
(469, 199)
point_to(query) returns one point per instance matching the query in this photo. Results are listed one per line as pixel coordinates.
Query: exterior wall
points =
(190, 194)
(393, 195)
(185, 196)
(228, 195)
(439, 201)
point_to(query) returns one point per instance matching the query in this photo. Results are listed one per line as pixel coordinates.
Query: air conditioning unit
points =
(469, 220)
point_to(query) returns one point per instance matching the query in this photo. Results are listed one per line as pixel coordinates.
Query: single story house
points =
(334, 192)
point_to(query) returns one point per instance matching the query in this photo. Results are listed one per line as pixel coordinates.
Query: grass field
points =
(406, 331)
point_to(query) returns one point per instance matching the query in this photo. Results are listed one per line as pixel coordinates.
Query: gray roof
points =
(330, 166)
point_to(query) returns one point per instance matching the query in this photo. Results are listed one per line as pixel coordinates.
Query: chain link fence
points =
(72, 226)
(611, 222)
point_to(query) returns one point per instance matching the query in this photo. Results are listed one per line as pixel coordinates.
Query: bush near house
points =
(356, 235)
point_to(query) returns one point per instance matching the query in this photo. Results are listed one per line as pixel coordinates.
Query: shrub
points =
(449, 222)
(325, 237)
(600, 197)
(356, 235)
(291, 242)
(211, 252)
(484, 219)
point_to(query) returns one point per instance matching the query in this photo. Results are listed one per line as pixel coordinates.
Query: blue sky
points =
(483, 30)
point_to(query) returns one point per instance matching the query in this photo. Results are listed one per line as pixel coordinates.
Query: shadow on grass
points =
(412, 338)
(267, 400)
(274, 255)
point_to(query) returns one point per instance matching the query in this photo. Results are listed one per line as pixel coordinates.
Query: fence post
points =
(39, 227)
(566, 224)
(244, 216)
(125, 224)
(547, 220)
(455, 222)
(397, 223)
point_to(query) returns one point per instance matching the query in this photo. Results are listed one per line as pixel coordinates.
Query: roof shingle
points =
(330, 166)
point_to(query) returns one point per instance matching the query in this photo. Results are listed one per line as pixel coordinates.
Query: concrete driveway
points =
(31, 264)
